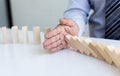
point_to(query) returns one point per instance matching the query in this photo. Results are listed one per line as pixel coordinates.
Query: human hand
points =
(54, 40)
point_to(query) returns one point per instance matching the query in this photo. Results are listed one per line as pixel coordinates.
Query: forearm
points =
(78, 11)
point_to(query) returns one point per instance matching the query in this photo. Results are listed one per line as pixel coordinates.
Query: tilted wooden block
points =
(114, 56)
(104, 53)
(74, 43)
(68, 38)
(79, 47)
(36, 35)
(92, 45)
(86, 51)
(98, 50)
(87, 42)
(77, 44)
(117, 50)
(117, 59)
(25, 34)
(117, 55)
(15, 34)
(4, 35)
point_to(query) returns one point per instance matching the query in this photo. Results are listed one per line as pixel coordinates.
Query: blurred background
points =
(43, 13)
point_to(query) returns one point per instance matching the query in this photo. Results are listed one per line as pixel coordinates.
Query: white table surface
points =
(32, 60)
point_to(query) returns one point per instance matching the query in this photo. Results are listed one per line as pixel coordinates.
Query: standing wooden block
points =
(36, 35)
(4, 35)
(15, 34)
(25, 34)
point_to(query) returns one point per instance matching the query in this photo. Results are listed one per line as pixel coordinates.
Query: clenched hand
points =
(54, 40)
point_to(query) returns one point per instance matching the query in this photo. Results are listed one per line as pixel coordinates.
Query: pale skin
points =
(55, 39)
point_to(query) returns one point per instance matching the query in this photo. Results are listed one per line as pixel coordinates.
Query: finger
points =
(57, 48)
(46, 31)
(53, 45)
(54, 32)
(61, 36)
(67, 22)
(51, 40)
(70, 30)
(67, 29)
(63, 43)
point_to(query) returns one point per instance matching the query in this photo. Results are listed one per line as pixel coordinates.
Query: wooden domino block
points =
(117, 56)
(117, 60)
(15, 34)
(78, 46)
(92, 45)
(75, 45)
(25, 34)
(68, 40)
(36, 35)
(83, 46)
(86, 44)
(117, 50)
(104, 53)
(4, 35)
(113, 54)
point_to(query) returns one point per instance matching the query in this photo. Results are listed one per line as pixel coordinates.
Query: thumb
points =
(67, 22)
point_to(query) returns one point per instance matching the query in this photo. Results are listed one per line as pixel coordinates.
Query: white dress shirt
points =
(78, 10)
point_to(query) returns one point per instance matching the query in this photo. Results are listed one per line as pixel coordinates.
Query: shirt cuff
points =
(81, 26)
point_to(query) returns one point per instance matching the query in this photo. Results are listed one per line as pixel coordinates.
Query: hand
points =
(54, 40)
